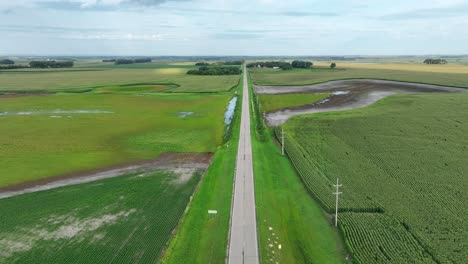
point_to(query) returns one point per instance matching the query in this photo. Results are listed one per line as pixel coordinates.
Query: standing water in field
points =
(185, 114)
(230, 111)
(228, 115)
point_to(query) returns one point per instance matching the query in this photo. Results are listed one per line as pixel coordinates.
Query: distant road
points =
(243, 245)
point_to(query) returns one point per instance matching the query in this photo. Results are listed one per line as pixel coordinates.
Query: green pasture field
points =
(44, 136)
(312, 76)
(402, 163)
(273, 102)
(202, 238)
(87, 79)
(127, 219)
(286, 214)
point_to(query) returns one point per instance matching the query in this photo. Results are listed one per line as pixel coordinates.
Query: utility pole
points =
(337, 193)
(282, 141)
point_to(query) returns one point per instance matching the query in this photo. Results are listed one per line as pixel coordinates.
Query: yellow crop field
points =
(445, 68)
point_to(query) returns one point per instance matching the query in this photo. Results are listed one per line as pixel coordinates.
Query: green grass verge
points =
(50, 142)
(312, 76)
(403, 157)
(286, 213)
(126, 219)
(298, 223)
(273, 102)
(202, 238)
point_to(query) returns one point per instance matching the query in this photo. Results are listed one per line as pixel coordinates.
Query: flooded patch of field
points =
(184, 114)
(346, 95)
(182, 165)
(230, 111)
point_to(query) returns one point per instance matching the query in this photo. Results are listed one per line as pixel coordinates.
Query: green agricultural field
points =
(87, 79)
(286, 214)
(402, 163)
(127, 219)
(44, 136)
(311, 76)
(273, 102)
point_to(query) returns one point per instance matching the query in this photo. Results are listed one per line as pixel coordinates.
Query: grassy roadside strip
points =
(255, 113)
(202, 238)
(286, 214)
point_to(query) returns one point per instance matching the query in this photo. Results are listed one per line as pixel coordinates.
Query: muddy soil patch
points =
(346, 95)
(188, 163)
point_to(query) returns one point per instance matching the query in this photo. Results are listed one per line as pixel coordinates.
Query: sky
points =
(233, 27)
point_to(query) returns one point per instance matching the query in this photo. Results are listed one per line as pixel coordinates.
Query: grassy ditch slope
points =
(402, 163)
(202, 237)
(286, 214)
(128, 219)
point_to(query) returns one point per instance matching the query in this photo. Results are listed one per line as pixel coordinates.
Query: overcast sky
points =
(233, 27)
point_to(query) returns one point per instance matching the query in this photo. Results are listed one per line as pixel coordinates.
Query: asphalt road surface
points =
(243, 246)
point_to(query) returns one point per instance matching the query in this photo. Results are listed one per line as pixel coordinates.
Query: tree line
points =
(128, 61)
(227, 63)
(282, 64)
(298, 64)
(204, 70)
(271, 64)
(9, 64)
(51, 64)
(435, 61)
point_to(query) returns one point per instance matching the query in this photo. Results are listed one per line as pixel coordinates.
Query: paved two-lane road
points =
(243, 246)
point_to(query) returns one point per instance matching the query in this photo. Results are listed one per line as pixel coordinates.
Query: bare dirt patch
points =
(72, 228)
(185, 163)
(346, 95)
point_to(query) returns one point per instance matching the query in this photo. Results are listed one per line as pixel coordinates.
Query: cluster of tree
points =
(271, 64)
(129, 61)
(302, 64)
(216, 71)
(332, 65)
(110, 60)
(237, 62)
(202, 64)
(123, 61)
(51, 64)
(142, 60)
(7, 62)
(435, 61)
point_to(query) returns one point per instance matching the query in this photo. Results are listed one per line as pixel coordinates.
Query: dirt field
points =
(179, 163)
(346, 95)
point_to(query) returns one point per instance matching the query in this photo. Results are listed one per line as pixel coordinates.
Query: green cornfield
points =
(402, 163)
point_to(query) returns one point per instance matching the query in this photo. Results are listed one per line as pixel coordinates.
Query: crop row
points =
(122, 220)
(377, 238)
